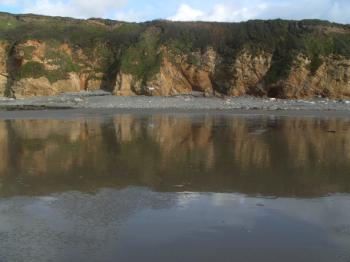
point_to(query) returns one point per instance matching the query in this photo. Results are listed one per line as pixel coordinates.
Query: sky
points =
(185, 10)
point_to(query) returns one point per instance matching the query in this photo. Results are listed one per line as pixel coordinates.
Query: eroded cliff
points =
(41, 56)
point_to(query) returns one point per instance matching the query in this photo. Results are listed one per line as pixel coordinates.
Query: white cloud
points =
(74, 8)
(187, 13)
(8, 2)
(219, 12)
(213, 10)
(239, 10)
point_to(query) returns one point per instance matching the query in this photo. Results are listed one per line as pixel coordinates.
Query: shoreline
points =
(100, 102)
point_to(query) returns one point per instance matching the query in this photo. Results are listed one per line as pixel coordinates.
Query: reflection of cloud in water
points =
(62, 226)
(327, 212)
(331, 214)
(112, 223)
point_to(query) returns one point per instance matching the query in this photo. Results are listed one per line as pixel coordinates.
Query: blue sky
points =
(185, 10)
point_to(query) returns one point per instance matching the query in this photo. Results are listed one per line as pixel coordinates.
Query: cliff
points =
(42, 56)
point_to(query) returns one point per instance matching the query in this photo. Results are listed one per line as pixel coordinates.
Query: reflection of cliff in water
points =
(269, 156)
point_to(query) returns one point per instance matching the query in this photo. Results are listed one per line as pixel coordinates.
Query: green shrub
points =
(144, 59)
(28, 51)
(315, 64)
(134, 48)
(31, 69)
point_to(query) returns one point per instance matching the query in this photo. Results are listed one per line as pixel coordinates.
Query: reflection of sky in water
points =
(330, 213)
(188, 226)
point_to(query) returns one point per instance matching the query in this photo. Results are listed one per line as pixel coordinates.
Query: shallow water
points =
(178, 187)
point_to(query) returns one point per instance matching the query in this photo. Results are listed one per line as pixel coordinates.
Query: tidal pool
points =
(175, 187)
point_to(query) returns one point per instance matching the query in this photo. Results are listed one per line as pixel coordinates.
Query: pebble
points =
(103, 100)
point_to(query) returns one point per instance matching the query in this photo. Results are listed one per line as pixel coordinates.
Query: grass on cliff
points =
(62, 60)
(143, 60)
(85, 33)
(33, 69)
(284, 39)
(135, 48)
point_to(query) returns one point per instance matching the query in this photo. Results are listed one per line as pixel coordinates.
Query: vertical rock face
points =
(38, 68)
(127, 85)
(285, 59)
(249, 72)
(331, 79)
(180, 77)
(42, 87)
(176, 76)
(243, 76)
(3, 69)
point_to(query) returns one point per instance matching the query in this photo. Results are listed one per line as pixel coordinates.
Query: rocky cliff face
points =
(35, 68)
(331, 79)
(245, 75)
(3, 69)
(162, 58)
